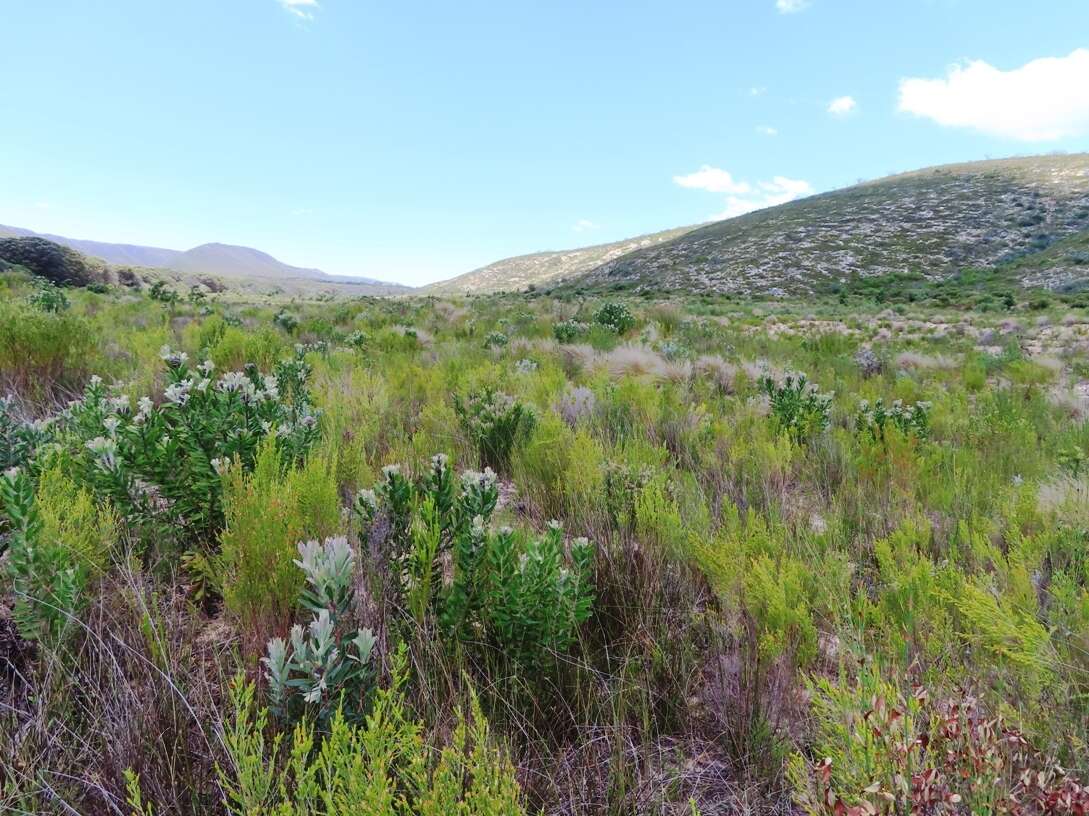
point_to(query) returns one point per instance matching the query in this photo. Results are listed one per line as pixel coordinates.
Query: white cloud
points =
(757, 90)
(766, 130)
(713, 180)
(584, 225)
(1043, 100)
(303, 9)
(779, 190)
(744, 197)
(791, 6)
(842, 105)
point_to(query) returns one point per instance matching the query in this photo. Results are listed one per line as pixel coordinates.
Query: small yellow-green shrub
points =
(268, 513)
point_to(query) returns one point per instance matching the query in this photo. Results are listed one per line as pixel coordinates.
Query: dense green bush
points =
(48, 297)
(615, 316)
(909, 420)
(568, 331)
(800, 410)
(59, 539)
(382, 767)
(267, 513)
(41, 350)
(495, 423)
(161, 464)
(520, 594)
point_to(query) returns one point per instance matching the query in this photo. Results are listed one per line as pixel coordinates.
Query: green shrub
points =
(324, 668)
(494, 422)
(267, 514)
(20, 439)
(48, 297)
(881, 751)
(41, 350)
(496, 339)
(286, 321)
(800, 410)
(160, 465)
(568, 331)
(516, 593)
(615, 316)
(383, 767)
(909, 420)
(58, 540)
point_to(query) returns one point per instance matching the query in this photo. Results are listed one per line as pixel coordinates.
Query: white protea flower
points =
(111, 424)
(95, 381)
(391, 470)
(203, 384)
(233, 381)
(173, 358)
(368, 499)
(104, 451)
(121, 404)
(207, 367)
(439, 461)
(178, 393)
(477, 528)
(221, 465)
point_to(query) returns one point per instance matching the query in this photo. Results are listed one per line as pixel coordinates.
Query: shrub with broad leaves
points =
(519, 594)
(496, 339)
(325, 667)
(799, 408)
(909, 420)
(568, 331)
(615, 316)
(494, 422)
(48, 297)
(161, 465)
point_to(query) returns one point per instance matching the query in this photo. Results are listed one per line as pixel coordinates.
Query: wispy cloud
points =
(1043, 100)
(757, 90)
(303, 9)
(584, 225)
(713, 180)
(842, 106)
(744, 196)
(791, 6)
(767, 130)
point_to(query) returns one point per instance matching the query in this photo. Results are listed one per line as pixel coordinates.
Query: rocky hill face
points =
(931, 222)
(516, 274)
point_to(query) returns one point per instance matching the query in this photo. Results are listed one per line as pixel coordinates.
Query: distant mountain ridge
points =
(224, 260)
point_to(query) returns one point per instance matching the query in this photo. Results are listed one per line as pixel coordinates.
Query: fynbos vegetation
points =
(535, 554)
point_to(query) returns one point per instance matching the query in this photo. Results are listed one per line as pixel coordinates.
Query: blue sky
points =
(413, 141)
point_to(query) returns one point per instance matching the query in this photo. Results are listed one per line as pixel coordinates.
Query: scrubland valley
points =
(741, 521)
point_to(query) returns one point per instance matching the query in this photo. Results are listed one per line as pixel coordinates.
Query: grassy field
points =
(525, 554)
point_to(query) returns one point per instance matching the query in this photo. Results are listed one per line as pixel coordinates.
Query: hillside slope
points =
(930, 222)
(517, 273)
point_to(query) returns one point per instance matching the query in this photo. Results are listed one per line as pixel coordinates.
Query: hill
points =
(514, 274)
(222, 260)
(930, 222)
